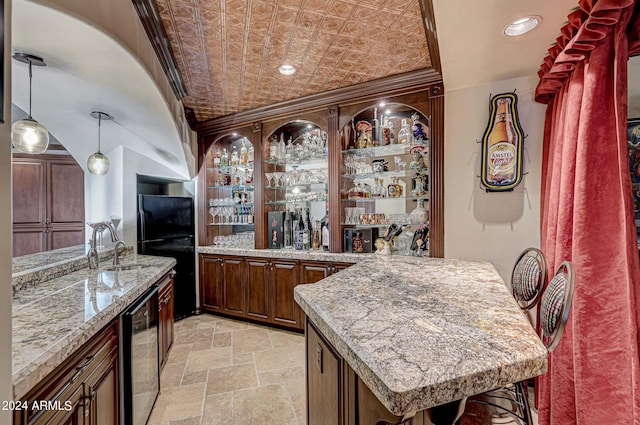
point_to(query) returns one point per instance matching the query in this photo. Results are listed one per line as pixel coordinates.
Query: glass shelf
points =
(382, 150)
(300, 201)
(387, 174)
(299, 186)
(406, 198)
(234, 187)
(231, 168)
(376, 226)
(309, 162)
(230, 224)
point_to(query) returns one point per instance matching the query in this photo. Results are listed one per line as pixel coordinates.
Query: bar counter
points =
(421, 332)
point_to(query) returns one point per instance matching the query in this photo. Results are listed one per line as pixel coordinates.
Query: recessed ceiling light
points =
(522, 25)
(287, 69)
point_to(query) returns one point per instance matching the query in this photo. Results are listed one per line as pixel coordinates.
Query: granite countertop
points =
(287, 254)
(53, 319)
(34, 269)
(421, 332)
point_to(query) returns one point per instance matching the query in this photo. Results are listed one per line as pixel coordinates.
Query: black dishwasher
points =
(140, 358)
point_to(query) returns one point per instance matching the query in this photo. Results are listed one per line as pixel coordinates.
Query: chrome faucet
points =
(116, 254)
(92, 255)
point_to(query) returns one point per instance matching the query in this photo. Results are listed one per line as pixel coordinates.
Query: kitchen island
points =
(54, 318)
(414, 332)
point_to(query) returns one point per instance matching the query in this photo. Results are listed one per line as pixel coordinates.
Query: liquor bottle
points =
(220, 179)
(501, 154)
(324, 230)
(288, 230)
(288, 150)
(392, 135)
(250, 215)
(299, 234)
(404, 135)
(282, 148)
(317, 236)
(351, 144)
(244, 155)
(216, 158)
(235, 159)
(394, 189)
(273, 149)
(224, 159)
(250, 155)
(385, 133)
(375, 130)
(357, 245)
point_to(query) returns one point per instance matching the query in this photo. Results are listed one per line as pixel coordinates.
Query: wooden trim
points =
(190, 115)
(429, 21)
(436, 232)
(150, 18)
(414, 81)
(260, 214)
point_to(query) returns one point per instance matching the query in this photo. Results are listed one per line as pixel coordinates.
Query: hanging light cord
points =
(30, 78)
(99, 122)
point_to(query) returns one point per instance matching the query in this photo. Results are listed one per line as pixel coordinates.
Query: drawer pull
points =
(87, 363)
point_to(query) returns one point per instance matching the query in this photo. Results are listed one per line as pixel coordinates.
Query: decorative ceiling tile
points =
(228, 51)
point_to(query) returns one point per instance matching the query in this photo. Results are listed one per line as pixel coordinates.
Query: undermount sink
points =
(123, 267)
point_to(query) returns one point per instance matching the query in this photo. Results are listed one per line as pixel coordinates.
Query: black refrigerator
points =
(166, 228)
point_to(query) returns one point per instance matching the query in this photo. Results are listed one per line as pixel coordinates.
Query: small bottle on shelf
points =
(404, 135)
(273, 149)
(317, 236)
(308, 232)
(375, 129)
(282, 148)
(244, 155)
(250, 215)
(250, 155)
(224, 159)
(235, 159)
(288, 228)
(394, 189)
(216, 158)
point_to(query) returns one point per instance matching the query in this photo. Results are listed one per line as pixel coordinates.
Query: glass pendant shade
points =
(29, 136)
(98, 164)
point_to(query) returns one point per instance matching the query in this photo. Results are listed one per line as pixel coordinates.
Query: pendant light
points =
(98, 163)
(28, 135)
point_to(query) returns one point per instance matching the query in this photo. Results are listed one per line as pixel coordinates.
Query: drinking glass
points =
(269, 177)
(278, 178)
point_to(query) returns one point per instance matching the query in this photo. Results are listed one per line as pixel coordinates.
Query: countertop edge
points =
(288, 254)
(29, 376)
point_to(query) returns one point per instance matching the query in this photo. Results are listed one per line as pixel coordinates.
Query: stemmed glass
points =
(278, 178)
(270, 182)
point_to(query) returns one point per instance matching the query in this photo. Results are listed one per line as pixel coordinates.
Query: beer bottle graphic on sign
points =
(502, 145)
(501, 156)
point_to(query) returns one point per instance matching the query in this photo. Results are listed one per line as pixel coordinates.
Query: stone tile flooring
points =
(228, 372)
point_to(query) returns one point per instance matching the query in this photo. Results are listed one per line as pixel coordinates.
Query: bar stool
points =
(513, 401)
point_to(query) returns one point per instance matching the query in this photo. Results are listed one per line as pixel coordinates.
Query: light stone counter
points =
(53, 319)
(34, 269)
(421, 332)
(290, 254)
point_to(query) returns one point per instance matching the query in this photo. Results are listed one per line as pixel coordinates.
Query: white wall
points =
(493, 227)
(6, 391)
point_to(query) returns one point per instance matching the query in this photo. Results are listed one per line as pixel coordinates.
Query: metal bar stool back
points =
(528, 277)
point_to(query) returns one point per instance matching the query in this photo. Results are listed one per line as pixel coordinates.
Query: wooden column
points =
(260, 216)
(335, 158)
(436, 232)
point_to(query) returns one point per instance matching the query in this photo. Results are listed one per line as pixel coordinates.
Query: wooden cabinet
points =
(258, 289)
(284, 279)
(83, 390)
(324, 380)
(233, 285)
(211, 282)
(48, 203)
(166, 314)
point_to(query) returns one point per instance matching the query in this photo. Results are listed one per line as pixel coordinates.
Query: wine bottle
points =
(324, 230)
(299, 234)
(306, 241)
(216, 158)
(288, 230)
(317, 236)
(244, 155)
(235, 159)
(375, 138)
(250, 216)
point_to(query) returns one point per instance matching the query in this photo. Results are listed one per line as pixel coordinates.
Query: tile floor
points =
(228, 372)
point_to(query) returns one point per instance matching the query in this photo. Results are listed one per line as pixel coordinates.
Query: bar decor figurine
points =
(502, 145)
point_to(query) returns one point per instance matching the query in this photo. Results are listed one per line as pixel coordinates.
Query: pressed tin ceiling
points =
(229, 51)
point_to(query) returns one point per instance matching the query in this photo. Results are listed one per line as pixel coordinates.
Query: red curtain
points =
(587, 218)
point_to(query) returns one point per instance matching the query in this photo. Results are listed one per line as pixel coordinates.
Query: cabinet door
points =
(165, 312)
(324, 379)
(29, 240)
(233, 285)
(312, 272)
(102, 395)
(29, 200)
(211, 282)
(65, 193)
(284, 279)
(258, 289)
